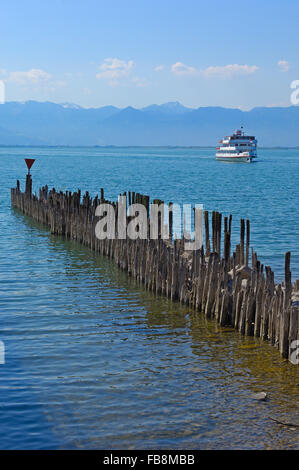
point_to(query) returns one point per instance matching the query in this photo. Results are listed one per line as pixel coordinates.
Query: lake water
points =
(92, 360)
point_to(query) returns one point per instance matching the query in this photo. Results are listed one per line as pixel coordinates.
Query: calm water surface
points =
(95, 361)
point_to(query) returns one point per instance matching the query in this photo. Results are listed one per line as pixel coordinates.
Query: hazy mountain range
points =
(46, 123)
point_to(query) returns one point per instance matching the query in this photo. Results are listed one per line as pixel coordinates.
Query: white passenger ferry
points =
(237, 148)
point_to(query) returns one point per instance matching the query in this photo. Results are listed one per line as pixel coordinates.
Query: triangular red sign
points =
(29, 162)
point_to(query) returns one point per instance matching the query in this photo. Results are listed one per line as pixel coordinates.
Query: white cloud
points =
(229, 70)
(181, 69)
(222, 71)
(33, 76)
(159, 68)
(283, 65)
(114, 69)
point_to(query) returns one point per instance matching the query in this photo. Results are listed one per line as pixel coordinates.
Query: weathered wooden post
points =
(225, 224)
(247, 241)
(207, 235)
(170, 220)
(285, 321)
(242, 239)
(219, 219)
(226, 248)
(28, 185)
(230, 224)
(213, 232)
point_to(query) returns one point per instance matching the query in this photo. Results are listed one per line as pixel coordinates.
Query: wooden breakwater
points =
(213, 280)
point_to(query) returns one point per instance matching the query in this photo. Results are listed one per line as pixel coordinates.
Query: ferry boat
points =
(237, 147)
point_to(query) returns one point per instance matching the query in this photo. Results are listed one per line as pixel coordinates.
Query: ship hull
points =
(239, 159)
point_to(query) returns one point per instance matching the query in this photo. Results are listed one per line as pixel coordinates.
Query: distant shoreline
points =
(136, 146)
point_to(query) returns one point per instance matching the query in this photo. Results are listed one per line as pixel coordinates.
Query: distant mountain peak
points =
(171, 107)
(129, 110)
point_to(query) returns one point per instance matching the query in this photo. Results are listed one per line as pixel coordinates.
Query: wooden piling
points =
(222, 287)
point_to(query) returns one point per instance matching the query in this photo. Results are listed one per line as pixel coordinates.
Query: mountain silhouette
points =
(46, 123)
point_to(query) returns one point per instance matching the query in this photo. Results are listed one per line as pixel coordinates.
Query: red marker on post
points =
(29, 163)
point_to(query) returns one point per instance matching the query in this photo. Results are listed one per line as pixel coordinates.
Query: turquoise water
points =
(92, 359)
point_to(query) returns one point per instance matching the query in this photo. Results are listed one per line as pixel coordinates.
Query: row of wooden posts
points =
(217, 282)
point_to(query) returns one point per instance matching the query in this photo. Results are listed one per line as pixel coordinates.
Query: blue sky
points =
(138, 52)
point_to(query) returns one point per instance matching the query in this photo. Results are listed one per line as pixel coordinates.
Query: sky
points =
(94, 53)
